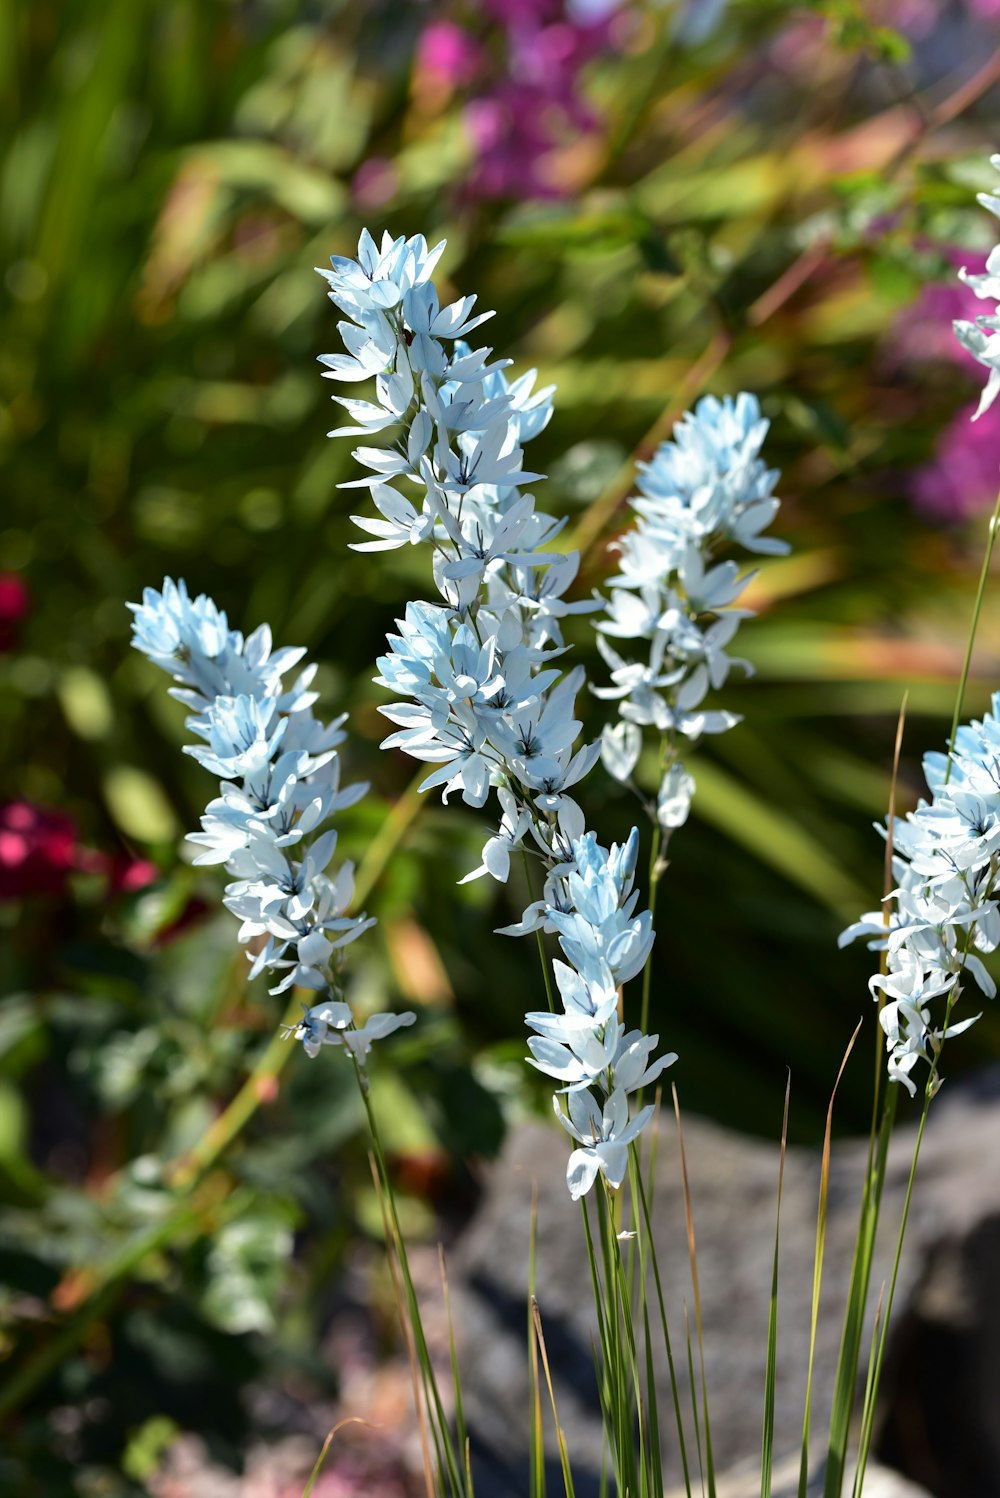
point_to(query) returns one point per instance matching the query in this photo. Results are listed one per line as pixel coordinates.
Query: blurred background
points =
(660, 200)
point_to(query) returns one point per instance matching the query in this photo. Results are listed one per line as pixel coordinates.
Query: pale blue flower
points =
(482, 701)
(944, 910)
(982, 337)
(604, 1134)
(280, 783)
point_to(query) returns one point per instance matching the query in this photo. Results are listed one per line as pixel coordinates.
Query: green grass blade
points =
(973, 627)
(654, 1260)
(536, 1453)
(824, 1186)
(767, 1439)
(850, 1340)
(859, 1474)
(655, 1459)
(449, 1461)
(693, 1255)
(421, 1399)
(693, 1386)
(460, 1428)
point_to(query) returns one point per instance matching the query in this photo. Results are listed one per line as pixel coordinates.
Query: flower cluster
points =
(705, 489)
(946, 858)
(280, 776)
(981, 336)
(483, 702)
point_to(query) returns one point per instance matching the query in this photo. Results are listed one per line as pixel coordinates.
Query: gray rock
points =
(944, 1275)
(744, 1482)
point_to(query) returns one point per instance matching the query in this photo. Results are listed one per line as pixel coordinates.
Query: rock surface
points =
(945, 1307)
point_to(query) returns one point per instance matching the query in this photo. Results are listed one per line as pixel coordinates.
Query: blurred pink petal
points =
(963, 477)
(375, 183)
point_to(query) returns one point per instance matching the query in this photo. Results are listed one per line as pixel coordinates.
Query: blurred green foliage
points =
(745, 216)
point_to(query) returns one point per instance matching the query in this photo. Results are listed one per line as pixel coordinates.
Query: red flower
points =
(14, 603)
(38, 850)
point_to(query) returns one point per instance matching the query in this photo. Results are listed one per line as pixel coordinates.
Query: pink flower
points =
(15, 601)
(963, 477)
(447, 54)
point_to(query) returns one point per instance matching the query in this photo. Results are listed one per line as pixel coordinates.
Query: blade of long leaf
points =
(449, 1461)
(776, 839)
(824, 1186)
(411, 1354)
(693, 1386)
(655, 1459)
(878, 1146)
(767, 1440)
(536, 1451)
(693, 1255)
(654, 1260)
(859, 1472)
(850, 1340)
(463, 1435)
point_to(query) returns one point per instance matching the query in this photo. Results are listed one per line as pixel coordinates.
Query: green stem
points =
(443, 1439)
(655, 874)
(977, 606)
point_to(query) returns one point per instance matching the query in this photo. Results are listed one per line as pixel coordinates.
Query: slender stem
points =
(655, 874)
(543, 956)
(430, 1382)
(977, 606)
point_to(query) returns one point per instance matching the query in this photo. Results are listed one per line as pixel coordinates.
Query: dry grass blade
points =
(563, 1451)
(602, 512)
(318, 1467)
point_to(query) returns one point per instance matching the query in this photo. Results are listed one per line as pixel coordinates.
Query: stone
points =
(733, 1182)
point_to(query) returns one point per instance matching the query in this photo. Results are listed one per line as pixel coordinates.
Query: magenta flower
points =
(963, 477)
(447, 54)
(531, 106)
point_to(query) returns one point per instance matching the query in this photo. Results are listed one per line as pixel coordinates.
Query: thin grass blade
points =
(770, 1372)
(824, 1187)
(693, 1255)
(560, 1437)
(318, 1466)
